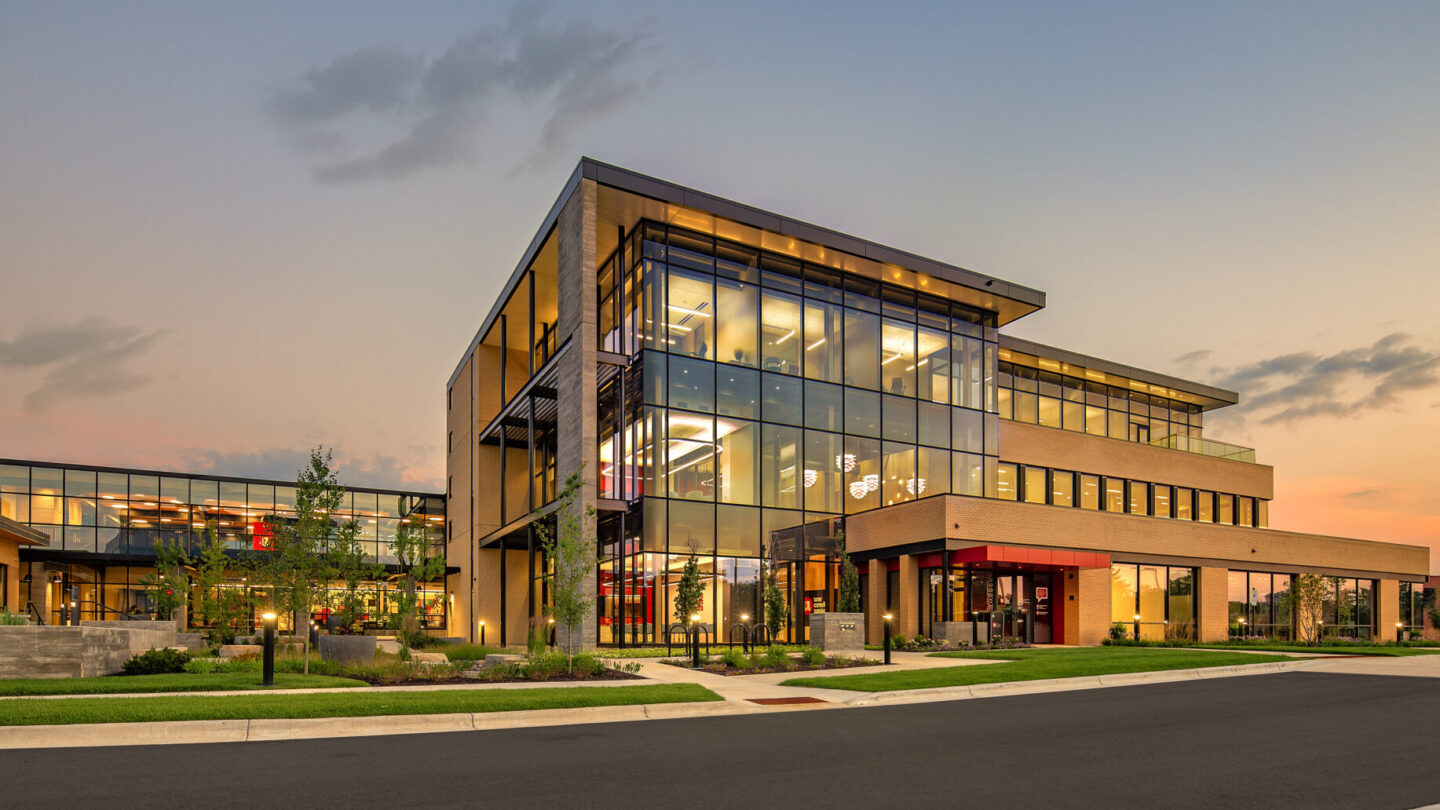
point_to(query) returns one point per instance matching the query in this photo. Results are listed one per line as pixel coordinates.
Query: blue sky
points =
(228, 232)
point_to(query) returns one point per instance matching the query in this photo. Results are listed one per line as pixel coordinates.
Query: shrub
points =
(775, 656)
(469, 652)
(814, 656)
(734, 658)
(156, 662)
(1118, 632)
(630, 667)
(9, 619)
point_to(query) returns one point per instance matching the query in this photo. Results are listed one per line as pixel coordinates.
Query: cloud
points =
(1191, 358)
(574, 71)
(281, 464)
(1292, 387)
(90, 358)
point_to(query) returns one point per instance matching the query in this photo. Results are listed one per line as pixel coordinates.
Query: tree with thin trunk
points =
(849, 578)
(777, 613)
(418, 564)
(298, 569)
(571, 556)
(1307, 594)
(689, 591)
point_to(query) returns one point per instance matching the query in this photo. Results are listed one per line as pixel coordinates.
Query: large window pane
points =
(692, 528)
(735, 322)
(1123, 580)
(862, 413)
(780, 332)
(862, 477)
(80, 483)
(862, 349)
(933, 472)
(1089, 492)
(691, 456)
(737, 531)
(1062, 488)
(966, 372)
(897, 362)
(823, 357)
(1114, 494)
(737, 461)
(968, 430)
(1035, 488)
(932, 369)
(690, 314)
(933, 424)
(899, 418)
(899, 482)
(14, 478)
(780, 466)
(823, 478)
(1007, 486)
(692, 384)
(968, 474)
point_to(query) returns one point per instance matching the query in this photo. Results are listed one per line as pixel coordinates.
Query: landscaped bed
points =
(773, 659)
(171, 682)
(1032, 664)
(252, 706)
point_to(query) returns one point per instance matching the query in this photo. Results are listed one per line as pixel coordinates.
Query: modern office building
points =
(753, 389)
(90, 533)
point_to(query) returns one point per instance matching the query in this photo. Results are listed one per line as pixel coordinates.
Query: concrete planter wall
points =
(837, 631)
(98, 648)
(962, 632)
(348, 649)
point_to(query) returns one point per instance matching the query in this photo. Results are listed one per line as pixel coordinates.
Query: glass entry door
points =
(1024, 607)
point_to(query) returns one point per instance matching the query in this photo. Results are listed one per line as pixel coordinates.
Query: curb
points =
(989, 690)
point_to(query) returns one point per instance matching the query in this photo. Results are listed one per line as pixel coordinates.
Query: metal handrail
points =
(34, 611)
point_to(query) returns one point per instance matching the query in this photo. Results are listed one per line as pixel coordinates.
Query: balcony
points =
(1207, 447)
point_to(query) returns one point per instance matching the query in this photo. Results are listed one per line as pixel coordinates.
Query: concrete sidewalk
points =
(739, 693)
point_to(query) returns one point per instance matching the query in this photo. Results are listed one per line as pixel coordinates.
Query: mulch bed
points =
(718, 668)
(607, 675)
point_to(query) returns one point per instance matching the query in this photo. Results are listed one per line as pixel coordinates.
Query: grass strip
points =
(1348, 649)
(179, 682)
(1033, 665)
(253, 706)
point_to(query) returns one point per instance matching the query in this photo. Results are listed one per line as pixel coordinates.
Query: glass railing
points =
(1206, 447)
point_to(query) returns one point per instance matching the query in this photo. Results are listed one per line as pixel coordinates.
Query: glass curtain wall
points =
(1162, 597)
(767, 397)
(1261, 605)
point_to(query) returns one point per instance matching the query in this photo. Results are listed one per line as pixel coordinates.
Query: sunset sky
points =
(229, 232)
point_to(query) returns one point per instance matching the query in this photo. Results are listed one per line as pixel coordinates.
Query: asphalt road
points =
(1287, 740)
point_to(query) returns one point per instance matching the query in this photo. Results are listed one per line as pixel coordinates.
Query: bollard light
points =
(482, 632)
(1137, 628)
(886, 641)
(695, 640)
(268, 666)
(1399, 630)
(551, 622)
(745, 640)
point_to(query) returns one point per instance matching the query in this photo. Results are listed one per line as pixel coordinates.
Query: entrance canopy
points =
(1019, 554)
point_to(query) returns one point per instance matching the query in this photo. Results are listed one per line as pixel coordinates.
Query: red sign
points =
(1042, 593)
(809, 605)
(264, 538)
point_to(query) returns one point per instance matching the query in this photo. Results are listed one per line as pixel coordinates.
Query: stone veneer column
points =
(577, 439)
(1092, 598)
(1213, 623)
(1387, 608)
(907, 607)
(875, 582)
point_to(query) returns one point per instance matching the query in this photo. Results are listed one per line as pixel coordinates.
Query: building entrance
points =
(1023, 607)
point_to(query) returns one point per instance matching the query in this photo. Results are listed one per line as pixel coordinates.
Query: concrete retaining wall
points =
(93, 648)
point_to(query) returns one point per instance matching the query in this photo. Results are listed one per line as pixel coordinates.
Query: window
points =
(824, 406)
(1034, 490)
(1006, 477)
(1160, 500)
(1089, 491)
(781, 401)
(1062, 488)
(780, 332)
(735, 306)
(862, 349)
(1182, 503)
(1225, 509)
(737, 392)
(1139, 495)
(1156, 600)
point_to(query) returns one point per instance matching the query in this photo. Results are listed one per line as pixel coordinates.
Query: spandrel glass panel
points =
(655, 378)
(822, 346)
(690, 314)
(862, 349)
(735, 305)
(692, 528)
(737, 392)
(780, 332)
(781, 399)
(737, 531)
(692, 384)
(898, 415)
(824, 406)
(862, 413)
(80, 483)
(933, 426)
(737, 460)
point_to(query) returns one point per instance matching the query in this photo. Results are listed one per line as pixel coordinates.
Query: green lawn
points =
(1345, 649)
(1031, 665)
(678, 650)
(22, 712)
(179, 682)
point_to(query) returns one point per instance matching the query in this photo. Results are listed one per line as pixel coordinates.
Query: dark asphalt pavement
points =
(1287, 740)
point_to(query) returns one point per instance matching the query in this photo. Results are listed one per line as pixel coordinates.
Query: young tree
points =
(571, 552)
(1307, 592)
(167, 585)
(689, 591)
(297, 568)
(777, 614)
(849, 578)
(219, 607)
(418, 564)
(347, 559)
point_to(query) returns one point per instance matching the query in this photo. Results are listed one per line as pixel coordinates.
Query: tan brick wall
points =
(459, 469)
(10, 558)
(1387, 609)
(1070, 605)
(907, 609)
(1214, 594)
(875, 601)
(983, 520)
(1093, 606)
(1081, 452)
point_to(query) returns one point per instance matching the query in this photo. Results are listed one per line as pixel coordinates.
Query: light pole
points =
(268, 667)
(695, 640)
(886, 641)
